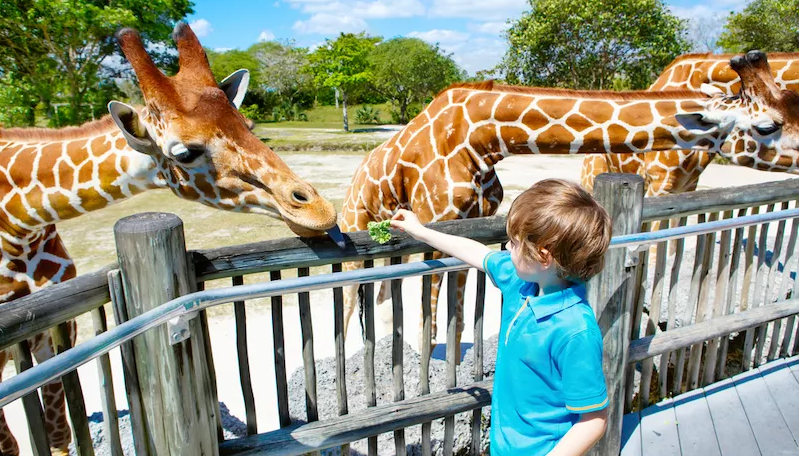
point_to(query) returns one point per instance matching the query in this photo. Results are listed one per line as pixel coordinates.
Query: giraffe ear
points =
(235, 86)
(710, 90)
(127, 119)
(703, 122)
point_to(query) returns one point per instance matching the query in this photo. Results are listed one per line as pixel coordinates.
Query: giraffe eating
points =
(189, 137)
(675, 171)
(441, 165)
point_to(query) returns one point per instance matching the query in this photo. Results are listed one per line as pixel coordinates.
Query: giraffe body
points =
(440, 166)
(668, 172)
(189, 138)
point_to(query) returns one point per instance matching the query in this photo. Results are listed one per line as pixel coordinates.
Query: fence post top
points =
(620, 178)
(146, 222)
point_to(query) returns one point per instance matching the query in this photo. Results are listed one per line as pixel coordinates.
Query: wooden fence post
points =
(180, 406)
(610, 295)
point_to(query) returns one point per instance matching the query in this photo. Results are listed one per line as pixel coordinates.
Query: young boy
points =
(549, 390)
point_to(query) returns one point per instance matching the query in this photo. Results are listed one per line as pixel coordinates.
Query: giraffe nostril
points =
(300, 197)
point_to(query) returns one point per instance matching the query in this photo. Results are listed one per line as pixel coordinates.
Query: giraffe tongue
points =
(336, 236)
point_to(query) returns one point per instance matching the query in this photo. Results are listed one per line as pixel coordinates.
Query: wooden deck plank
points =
(734, 435)
(768, 425)
(631, 435)
(695, 425)
(793, 364)
(784, 389)
(659, 435)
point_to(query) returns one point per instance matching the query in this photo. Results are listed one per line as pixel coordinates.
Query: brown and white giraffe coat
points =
(669, 172)
(189, 138)
(440, 165)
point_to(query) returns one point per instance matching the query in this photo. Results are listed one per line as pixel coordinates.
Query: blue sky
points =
(470, 29)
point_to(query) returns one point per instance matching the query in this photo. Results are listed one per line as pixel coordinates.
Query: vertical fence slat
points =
(397, 358)
(705, 264)
(308, 359)
(749, 272)
(279, 355)
(772, 275)
(719, 301)
(786, 276)
(240, 314)
(370, 390)
(424, 368)
(208, 352)
(341, 366)
(130, 373)
(73, 393)
(477, 350)
(30, 402)
(693, 303)
(654, 319)
(639, 292)
(679, 249)
(609, 294)
(452, 373)
(732, 288)
(757, 295)
(107, 396)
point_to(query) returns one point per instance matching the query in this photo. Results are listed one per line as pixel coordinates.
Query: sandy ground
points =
(331, 173)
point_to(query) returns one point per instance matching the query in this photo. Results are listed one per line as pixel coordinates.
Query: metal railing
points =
(187, 306)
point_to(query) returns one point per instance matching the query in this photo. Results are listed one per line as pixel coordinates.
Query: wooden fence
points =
(638, 303)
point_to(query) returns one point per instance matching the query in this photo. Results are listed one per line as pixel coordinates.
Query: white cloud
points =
(329, 24)
(488, 28)
(443, 37)
(495, 10)
(266, 35)
(339, 16)
(201, 27)
(223, 49)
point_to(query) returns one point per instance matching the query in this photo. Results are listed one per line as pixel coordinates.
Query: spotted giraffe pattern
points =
(670, 172)
(440, 166)
(189, 138)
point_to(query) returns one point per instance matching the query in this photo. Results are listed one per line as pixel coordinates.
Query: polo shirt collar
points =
(552, 303)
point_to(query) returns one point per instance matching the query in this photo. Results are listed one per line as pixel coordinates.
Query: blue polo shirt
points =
(549, 363)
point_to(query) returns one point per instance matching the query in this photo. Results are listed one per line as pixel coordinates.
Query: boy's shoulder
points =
(500, 269)
(577, 320)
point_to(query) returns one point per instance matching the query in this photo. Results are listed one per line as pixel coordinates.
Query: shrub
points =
(367, 115)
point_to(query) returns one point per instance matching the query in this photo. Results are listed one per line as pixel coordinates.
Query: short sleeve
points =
(499, 268)
(580, 363)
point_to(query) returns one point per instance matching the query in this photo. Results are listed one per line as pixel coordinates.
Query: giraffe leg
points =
(8, 444)
(350, 296)
(593, 166)
(53, 400)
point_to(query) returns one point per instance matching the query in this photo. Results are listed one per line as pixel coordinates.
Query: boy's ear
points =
(546, 255)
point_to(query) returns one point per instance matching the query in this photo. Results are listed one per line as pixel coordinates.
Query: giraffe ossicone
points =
(189, 137)
(440, 165)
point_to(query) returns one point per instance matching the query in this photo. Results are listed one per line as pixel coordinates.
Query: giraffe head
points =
(759, 126)
(203, 146)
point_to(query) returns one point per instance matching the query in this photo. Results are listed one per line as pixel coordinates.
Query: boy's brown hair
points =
(563, 218)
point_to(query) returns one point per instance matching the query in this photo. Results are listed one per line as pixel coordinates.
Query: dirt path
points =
(90, 241)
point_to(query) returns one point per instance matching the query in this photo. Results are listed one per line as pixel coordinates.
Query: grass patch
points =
(329, 114)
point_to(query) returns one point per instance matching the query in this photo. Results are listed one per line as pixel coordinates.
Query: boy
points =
(549, 390)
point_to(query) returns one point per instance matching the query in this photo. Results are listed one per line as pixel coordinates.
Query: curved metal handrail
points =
(27, 381)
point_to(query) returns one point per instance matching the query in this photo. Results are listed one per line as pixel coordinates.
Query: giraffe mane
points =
(710, 56)
(59, 134)
(491, 86)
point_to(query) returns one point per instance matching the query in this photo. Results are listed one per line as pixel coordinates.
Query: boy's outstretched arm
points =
(466, 250)
(583, 435)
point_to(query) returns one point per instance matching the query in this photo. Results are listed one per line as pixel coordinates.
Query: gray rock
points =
(328, 407)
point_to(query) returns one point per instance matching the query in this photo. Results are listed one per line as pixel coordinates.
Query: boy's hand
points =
(406, 220)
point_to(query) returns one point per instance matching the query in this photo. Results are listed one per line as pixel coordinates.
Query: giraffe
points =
(189, 137)
(677, 171)
(441, 165)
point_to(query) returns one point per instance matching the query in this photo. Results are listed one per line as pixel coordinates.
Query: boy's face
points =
(527, 269)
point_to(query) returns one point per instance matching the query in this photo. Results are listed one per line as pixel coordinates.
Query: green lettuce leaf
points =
(379, 231)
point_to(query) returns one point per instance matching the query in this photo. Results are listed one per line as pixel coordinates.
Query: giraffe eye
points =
(765, 130)
(189, 154)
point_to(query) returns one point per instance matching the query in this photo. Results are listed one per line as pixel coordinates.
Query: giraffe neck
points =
(48, 179)
(494, 124)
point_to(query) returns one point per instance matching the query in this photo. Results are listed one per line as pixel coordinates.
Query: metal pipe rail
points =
(187, 306)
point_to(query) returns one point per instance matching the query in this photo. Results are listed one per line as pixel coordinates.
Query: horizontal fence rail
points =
(23, 317)
(187, 305)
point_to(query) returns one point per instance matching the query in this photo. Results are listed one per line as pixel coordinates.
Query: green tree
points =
(282, 68)
(407, 70)
(225, 63)
(767, 25)
(343, 63)
(587, 45)
(75, 37)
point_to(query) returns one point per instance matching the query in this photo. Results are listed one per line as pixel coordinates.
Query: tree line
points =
(59, 64)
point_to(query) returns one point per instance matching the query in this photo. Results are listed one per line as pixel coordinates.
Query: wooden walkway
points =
(754, 413)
